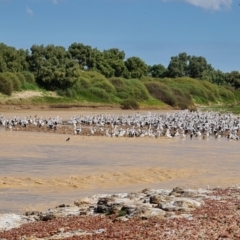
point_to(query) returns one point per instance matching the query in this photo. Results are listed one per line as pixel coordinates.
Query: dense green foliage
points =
(6, 85)
(14, 80)
(129, 104)
(84, 73)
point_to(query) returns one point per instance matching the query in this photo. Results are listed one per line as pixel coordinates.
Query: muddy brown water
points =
(41, 170)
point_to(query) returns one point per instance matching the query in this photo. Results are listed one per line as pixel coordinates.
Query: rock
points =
(83, 213)
(130, 209)
(120, 195)
(11, 220)
(136, 196)
(115, 209)
(102, 209)
(61, 212)
(148, 203)
(106, 201)
(187, 203)
(146, 213)
(146, 190)
(177, 191)
(47, 217)
(156, 199)
(180, 204)
(29, 213)
(169, 207)
(147, 200)
(63, 205)
(149, 192)
(83, 202)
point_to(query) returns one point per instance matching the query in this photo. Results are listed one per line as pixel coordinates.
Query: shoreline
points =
(80, 106)
(174, 213)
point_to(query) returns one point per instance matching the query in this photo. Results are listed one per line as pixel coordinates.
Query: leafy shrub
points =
(92, 74)
(202, 92)
(105, 85)
(210, 96)
(123, 95)
(118, 83)
(136, 90)
(199, 92)
(6, 86)
(129, 104)
(61, 92)
(29, 86)
(147, 79)
(161, 92)
(183, 101)
(237, 95)
(29, 77)
(80, 85)
(70, 93)
(13, 78)
(101, 93)
(77, 86)
(84, 82)
(179, 92)
(20, 77)
(226, 94)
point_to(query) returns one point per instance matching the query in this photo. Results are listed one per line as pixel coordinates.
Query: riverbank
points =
(150, 214)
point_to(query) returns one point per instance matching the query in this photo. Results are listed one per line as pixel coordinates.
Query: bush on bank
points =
(92, 86)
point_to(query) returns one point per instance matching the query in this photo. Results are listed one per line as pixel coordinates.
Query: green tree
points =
(115, 59)
(104, 67)
(36, 59)
(14, 80)
(28, 77)
(136, 67)
(178, 66)
(114, 54)
(6, 86)
(20, 77)
(3, 65)
(83, 54)
(214, 76)
(197, 65)
(233, 78)
(12, 60)
(22, 59)
(157, 71)
(53, 67)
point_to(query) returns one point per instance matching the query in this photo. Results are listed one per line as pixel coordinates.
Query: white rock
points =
(11, 220)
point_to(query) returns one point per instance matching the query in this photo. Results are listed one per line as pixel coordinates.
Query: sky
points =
(154, 30)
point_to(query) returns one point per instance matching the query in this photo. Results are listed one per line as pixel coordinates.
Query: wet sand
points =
(67, 113)
(41, 170)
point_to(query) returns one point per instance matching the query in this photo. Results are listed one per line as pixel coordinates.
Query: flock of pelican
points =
(170, 125)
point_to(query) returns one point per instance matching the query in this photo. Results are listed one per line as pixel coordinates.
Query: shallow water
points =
(41, 170)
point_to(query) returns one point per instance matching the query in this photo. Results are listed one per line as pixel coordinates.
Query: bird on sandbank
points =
(67, 140)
